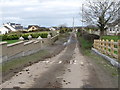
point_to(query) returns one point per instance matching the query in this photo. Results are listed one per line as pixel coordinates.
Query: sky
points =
(41, 12)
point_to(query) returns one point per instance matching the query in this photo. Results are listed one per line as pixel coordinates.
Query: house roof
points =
(116, 22)
(7, 27)
(34, 26)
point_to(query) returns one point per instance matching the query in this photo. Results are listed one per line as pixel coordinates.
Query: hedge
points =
(25, 36)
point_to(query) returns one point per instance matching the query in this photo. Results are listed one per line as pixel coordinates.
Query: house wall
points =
(32, 28)
(10, 27)
(3, 30)
(19, 49)
(113, 30)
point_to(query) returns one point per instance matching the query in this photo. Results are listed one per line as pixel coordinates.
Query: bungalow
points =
(114, 28)
(33, 27)
(17, 27)
(3, 30)
(52, 29)
(10, 27)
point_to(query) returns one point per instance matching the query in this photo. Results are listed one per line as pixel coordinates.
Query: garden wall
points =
(21, 48)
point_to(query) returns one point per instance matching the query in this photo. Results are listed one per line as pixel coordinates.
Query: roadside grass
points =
(12, 33)
(11, 41)
(18, 62)
(14, 41)
(85, 48)
(64, 35)
(115, 38)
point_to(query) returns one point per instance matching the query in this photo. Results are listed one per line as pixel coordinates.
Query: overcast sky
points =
(41, 12)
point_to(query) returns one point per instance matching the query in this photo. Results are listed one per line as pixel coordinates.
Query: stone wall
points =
(21, 48)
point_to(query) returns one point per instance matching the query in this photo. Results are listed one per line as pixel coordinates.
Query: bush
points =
(44, 35)
(12, 37)
(90, 37)
(35, 35)
(64, 30)
(4, 37)
(25, 36)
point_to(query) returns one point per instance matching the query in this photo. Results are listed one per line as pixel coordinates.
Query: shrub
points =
(4, 37)
(25, 36)
(12, 37)
(90, 37)
(44, 35)
(35, 35)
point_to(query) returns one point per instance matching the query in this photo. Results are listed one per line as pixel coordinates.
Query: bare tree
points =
(62, 26)
(101, 13)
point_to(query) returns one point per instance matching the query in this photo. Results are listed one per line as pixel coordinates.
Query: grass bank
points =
(11, 41)
(115, 38)
(85, 48)
(13, 66)
(15, 63)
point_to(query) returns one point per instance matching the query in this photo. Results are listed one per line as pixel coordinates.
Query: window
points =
(33, 28)
(110, 29)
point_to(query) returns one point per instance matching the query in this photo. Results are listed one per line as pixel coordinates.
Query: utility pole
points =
(73, 23)
(82, 19)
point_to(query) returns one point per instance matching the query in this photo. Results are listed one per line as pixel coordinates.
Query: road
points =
(68, 69)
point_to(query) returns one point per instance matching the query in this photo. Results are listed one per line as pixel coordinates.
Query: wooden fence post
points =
(97, 47)
(112, 47)
(107, 45)
(100, 45)
(94, 44)
(118, 49)
(103, 46)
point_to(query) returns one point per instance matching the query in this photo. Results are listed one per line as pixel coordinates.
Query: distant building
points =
(10, 27)
(17, 27)
(3, 30)
(33, 27)
(114, 28)
(52, 29)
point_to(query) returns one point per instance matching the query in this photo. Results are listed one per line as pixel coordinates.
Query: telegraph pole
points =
(73, 24)
(82, 19)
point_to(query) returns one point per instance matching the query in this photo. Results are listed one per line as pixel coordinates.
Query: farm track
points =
(68, 69)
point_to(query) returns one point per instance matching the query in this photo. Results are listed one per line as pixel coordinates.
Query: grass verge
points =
(13, 66)
(11, 41)
(86, 50)
(18, 62)
(115, 38)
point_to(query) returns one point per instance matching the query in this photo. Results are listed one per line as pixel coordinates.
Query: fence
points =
(107, 47)
(21, 48)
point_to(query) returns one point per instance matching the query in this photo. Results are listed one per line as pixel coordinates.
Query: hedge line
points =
(25, 36)
(87, 36)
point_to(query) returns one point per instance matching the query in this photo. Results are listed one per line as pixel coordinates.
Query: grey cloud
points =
(44, 12)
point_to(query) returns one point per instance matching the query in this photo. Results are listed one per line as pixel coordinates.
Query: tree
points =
(62, 26)
(101, 13)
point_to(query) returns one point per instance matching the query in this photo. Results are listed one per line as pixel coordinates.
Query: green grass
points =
(18, 62)
(11, 41)
(22, 61)
(85, 45)
(12, 33)
(86, 50)
(115, 38)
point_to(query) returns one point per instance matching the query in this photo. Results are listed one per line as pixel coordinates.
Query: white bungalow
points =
(8, 27)
(3, 30)
(114, 28)
(52, 29)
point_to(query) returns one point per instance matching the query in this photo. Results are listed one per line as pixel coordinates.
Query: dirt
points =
(53, 50)
(68, 69)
